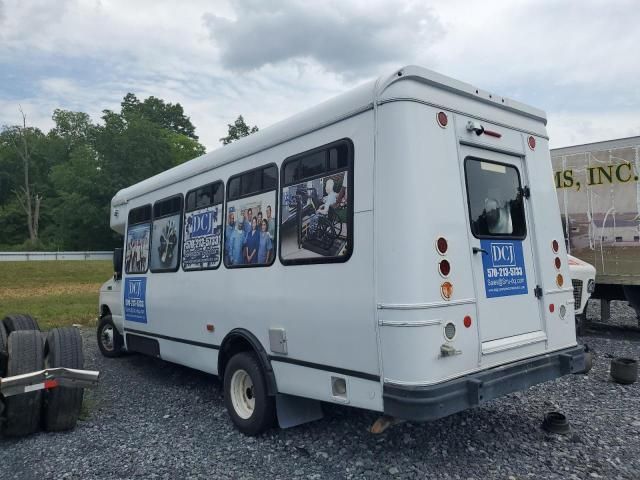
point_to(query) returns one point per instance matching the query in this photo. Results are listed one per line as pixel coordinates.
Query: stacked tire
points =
(25, 349)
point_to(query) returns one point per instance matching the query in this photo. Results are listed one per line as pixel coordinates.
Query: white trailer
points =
(408, 260)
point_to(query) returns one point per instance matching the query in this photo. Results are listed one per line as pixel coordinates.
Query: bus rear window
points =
(496, 207)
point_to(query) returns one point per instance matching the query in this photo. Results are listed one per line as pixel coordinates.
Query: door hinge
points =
(538, 291)
(524, 191)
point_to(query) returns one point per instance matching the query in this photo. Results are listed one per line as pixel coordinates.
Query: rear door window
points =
(496, 207)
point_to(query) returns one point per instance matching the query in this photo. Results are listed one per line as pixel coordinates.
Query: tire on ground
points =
(3, 350)
(26, 354)
(62, 405)
(624, 370)
(263, 415)
(106, 325)
(19, 321)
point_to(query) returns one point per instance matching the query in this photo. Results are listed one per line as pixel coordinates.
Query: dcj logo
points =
(502, 254)
(135, 288)
(201, 224)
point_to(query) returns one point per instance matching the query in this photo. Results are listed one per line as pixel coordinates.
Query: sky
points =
(578, 60)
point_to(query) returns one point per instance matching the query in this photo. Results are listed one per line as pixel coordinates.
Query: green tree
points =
(237, 130)
(167, 115)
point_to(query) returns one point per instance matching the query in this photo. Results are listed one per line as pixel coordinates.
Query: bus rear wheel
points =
(250, 407)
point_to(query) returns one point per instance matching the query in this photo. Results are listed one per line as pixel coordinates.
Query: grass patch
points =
(56, 293)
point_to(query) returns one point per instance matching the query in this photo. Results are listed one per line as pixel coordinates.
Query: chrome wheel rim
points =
(242, 396)
(106, 338)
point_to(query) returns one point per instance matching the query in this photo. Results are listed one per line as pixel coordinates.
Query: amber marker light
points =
(559, 280)
(446, 290)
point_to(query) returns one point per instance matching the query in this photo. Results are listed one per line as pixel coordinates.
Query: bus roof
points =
(343, 106)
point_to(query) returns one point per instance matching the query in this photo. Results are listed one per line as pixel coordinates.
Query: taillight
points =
(558, 263)
(531, 141)
(467, 321)
(445, 268)
(555, 246)
(559, 280)
(442, 245)
(552, 307)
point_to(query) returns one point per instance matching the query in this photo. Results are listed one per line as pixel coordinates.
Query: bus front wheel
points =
(109, 339)
(252, 410)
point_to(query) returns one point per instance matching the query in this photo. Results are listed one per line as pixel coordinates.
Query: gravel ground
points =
(151, 419)
(621, 313)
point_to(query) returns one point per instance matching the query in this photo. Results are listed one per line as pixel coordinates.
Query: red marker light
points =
(532, 143)
(442, 118)
(442, 245)
(555, 246)
(551, 307)
(467, 321)
(445, 267)
(491, 133)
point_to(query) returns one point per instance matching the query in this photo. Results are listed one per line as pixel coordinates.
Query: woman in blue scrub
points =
(251, 243)
(266, 245)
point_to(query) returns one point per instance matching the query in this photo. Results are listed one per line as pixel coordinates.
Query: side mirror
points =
(117, 263)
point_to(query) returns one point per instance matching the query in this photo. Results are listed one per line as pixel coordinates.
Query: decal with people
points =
(250, 231)
(137, 257)
(314, 219)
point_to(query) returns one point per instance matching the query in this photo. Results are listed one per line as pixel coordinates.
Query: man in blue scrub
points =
(228, 234)
(237, 244)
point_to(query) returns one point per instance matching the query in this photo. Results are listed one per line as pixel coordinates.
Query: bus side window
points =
(316, 224)
(165, 235)
(202, 236)
(136, 258)
(250, 220)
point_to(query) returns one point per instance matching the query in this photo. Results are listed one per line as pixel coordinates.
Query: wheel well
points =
(240, 340)
(104, 310)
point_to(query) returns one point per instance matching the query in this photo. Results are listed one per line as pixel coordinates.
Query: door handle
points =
(480, 250)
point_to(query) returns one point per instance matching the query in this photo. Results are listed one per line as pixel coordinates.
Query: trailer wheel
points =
(62, 405)
(25, 355)
(251, 409)
(109, 339)
(19, 321)
(3, 351)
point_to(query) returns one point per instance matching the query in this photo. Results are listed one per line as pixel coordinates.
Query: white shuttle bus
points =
(397, 248)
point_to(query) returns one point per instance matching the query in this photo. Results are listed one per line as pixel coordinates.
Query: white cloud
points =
(266, 60)
(347, 38)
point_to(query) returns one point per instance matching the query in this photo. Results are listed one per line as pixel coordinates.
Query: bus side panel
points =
(327, 310)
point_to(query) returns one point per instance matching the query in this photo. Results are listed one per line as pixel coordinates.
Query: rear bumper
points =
(424, 403)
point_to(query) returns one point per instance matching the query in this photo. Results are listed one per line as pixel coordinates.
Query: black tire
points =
(263, 416)
(62, 405)
(106, 326)
(624, 370)
(26, 354)
(4, 353)
(19, 321)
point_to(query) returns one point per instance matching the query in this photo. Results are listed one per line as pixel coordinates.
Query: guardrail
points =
(40, 256)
